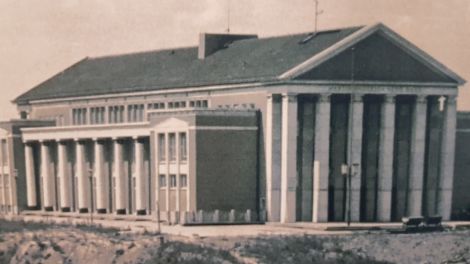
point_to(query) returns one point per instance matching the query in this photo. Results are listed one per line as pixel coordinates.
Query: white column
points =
(177, 150)
(63, 175)
(273, 159)
(82, 176)
(289, 158)
(48, 190)
(446, 174)
(119, 177)
(30, 175)
(385, 166)
(140, 187)
(99, 176)
(418, 142)
(321, 168)
(356, 116)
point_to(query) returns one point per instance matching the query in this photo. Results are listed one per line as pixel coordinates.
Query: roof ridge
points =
(142, 52)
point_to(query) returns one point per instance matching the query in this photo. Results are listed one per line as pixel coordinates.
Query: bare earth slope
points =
(22, 242)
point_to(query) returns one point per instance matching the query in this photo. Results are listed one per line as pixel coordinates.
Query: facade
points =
(461, 197)
(247, 124)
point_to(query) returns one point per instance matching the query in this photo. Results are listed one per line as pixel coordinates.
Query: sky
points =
(39, 38)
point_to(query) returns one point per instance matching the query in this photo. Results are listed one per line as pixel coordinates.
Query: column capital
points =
(451, 99)
(421, 98)
(270, 96)
(324, 98)
(389, 98)
(357, 98)
(291, 97)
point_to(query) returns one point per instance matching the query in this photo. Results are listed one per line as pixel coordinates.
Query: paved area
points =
(142, 225)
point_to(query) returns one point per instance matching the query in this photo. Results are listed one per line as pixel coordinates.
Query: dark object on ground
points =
(416, 224)
(412, 224)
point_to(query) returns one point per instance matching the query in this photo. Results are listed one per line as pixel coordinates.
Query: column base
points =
(101, 211)
(66, 209)
(48, 208)
(83, 210)
(141, 212)
(121, 211)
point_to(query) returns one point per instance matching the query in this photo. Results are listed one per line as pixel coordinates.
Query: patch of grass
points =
(97, 229)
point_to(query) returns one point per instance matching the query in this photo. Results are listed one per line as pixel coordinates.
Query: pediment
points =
(374, 54)
(171, 123)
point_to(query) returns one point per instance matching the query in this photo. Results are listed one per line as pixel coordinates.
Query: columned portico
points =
(418, 142)
(321, 155)
(385, 165)
(447, 158)
(289, 158)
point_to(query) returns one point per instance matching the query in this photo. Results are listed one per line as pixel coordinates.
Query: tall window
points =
(162, 180)
(97, 115)
(172, 146)
(172, 180)
(4, 150)
(135, 113)
(183, 181)
(161, 147)
(183, 147)
(79, 116)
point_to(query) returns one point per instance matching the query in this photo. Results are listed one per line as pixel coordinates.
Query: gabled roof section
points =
(243, 61)
(361, 34)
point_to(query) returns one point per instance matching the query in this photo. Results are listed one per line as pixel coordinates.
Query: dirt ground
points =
(23, 242)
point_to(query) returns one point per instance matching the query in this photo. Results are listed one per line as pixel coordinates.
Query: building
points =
(461, 197)
(248, 124)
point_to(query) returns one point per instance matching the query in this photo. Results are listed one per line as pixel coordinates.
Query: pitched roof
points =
(243, 61)
(250, 60)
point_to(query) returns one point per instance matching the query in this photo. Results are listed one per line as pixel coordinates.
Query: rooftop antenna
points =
(228, 16)
(317, 13)
(314, 33)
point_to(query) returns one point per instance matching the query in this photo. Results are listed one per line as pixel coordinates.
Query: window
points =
(115, 114)
(183, 150)
(162, 180)
(97, 115)
(199, 103)
(161, 147)
(135, 113)
(4, 150)
(172, 146)
(79, 116)
(172, 180)
(183, 181)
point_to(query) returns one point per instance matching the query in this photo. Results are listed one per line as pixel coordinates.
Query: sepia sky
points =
(39, 38)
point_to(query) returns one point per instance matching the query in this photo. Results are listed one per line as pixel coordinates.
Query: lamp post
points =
(90, 177)
(14, 207)
(349, 171)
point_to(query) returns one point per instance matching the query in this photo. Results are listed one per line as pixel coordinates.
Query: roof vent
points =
(210, 43)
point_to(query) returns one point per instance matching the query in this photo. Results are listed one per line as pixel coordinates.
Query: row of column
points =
(83, 176)
(281, 157)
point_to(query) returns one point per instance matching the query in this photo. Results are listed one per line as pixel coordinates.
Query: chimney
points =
(210, 43)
